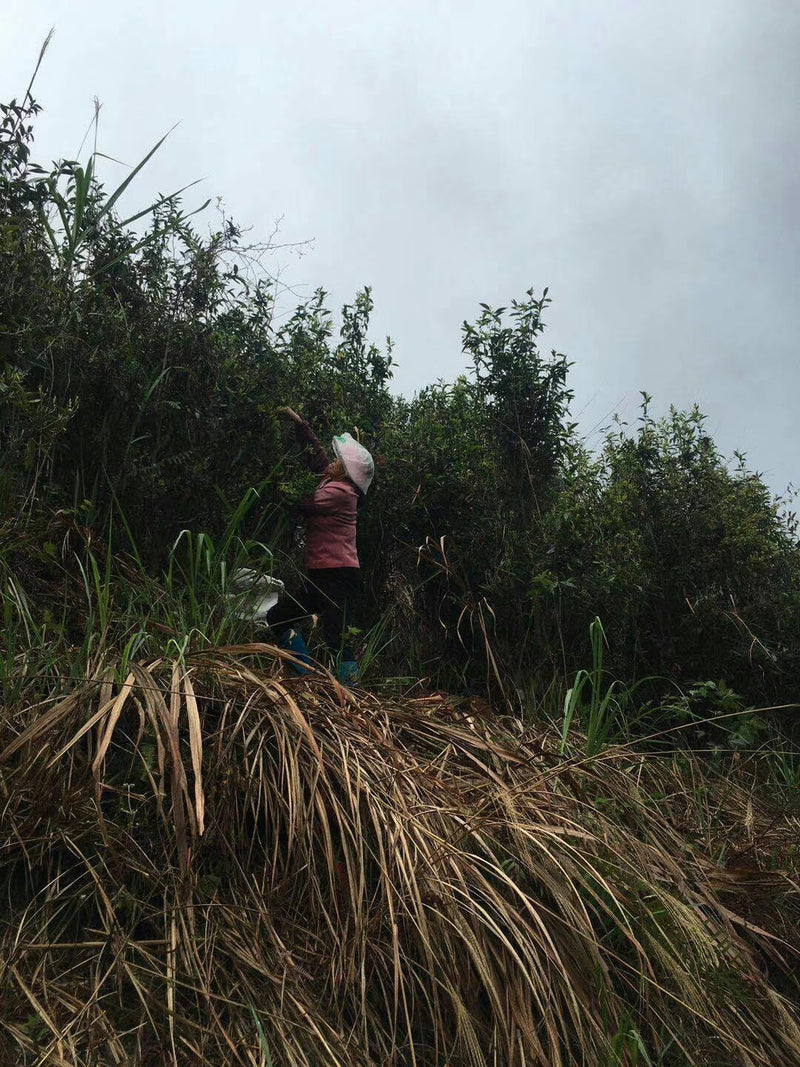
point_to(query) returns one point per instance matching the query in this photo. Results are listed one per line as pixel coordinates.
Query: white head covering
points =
(356, 460)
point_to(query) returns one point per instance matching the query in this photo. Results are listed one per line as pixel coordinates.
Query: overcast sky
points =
(642, 159)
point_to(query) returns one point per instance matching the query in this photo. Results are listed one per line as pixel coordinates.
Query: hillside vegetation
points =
(558, 823)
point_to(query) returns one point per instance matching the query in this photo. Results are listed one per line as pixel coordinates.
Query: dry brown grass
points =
(205, 863)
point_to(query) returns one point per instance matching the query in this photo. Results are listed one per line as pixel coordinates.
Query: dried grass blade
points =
(45, 722)
(113, 719)
(300, 719)
(196, 747)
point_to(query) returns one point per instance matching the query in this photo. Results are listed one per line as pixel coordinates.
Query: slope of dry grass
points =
(202, 862)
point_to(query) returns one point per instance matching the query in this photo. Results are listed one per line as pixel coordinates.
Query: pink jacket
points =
(330, 512)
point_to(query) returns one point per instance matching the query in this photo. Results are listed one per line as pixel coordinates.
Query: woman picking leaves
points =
(333, 575)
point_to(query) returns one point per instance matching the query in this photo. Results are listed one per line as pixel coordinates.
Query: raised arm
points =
(313, 453)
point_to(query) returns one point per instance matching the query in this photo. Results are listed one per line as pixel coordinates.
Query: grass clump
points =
(205, 862)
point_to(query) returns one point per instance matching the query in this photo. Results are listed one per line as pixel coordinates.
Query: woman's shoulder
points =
(338, 485)
(334, 492)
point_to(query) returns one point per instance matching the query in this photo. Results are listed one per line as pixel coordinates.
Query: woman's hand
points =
(289, 413)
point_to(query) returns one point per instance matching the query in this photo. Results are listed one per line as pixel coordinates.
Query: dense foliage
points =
(141, 370)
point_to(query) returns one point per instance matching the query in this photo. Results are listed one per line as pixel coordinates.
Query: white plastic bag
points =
(252, 593)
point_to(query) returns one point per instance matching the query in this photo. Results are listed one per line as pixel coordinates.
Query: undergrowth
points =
(204, 860)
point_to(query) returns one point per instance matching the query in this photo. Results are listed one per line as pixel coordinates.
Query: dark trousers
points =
(330, 593)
